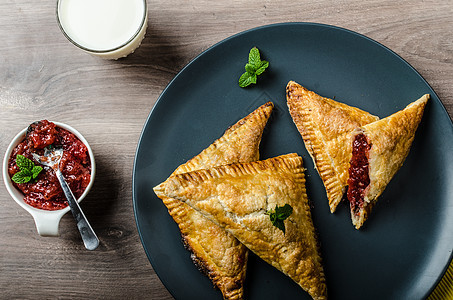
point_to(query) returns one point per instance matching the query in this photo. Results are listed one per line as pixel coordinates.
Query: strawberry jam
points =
(359, 178)
(45, 191)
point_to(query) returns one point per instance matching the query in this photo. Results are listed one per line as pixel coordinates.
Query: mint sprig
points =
(280, 214)
(253, 68)
(28, 170)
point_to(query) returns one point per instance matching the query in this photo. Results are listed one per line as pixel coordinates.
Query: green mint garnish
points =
(35, 171)
(253, 68)
(280, 214)
(28, 170)
(24, 163)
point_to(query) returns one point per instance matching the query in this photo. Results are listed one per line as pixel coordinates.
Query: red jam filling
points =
(359, 178)
(45, 192)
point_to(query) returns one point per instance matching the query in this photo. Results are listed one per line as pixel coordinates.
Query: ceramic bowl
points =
(47, 221)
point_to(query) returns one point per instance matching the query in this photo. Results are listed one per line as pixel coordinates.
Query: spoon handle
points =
(89, 238)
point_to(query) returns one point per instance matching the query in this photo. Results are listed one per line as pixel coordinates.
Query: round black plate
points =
(406, 244)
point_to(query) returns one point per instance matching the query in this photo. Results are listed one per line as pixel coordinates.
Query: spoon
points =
(51, 158)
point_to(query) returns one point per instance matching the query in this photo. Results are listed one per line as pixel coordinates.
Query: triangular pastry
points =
(326, 126)
(216, 252)
(378, 152)
(238, 197)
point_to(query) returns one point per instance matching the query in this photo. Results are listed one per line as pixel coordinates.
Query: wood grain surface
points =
(43, 76)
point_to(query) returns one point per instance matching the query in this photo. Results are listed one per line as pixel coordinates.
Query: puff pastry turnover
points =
(216, 252)
(378, 152)
(326, 126)
(237, 197)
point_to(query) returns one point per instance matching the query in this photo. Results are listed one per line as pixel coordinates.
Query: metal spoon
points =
(51, 158)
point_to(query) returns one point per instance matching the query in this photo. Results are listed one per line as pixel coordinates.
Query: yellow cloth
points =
(444, 290)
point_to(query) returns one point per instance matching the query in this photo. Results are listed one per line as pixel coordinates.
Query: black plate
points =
(404, 247)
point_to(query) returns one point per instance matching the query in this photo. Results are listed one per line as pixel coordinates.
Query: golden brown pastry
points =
(378, 152)
(326, 126)
(239, 197)
(216, 252)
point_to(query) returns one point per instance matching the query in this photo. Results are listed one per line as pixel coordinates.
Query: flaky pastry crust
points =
(326, 126)
(238, 197)
(216, 252)
(390, 139)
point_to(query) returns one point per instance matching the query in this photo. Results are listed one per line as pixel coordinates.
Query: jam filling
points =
(359, 178)
(45, 191)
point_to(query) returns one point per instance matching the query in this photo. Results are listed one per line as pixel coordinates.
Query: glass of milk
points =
(110, 29)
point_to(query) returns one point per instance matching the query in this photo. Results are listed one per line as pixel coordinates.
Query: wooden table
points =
(43, 76)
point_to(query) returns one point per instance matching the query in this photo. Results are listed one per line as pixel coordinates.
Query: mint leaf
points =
(263, 66)
(24, 163)
(283, 212)
(250, 68)
(28, 170)
(35, 171)
(247, 79)
(21, 177)
(254, 57)
(253, 68)
(280, 214)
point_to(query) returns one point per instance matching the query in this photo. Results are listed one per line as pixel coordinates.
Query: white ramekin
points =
(47, 221)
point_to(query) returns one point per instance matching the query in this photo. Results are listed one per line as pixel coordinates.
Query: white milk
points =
(107, 28)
